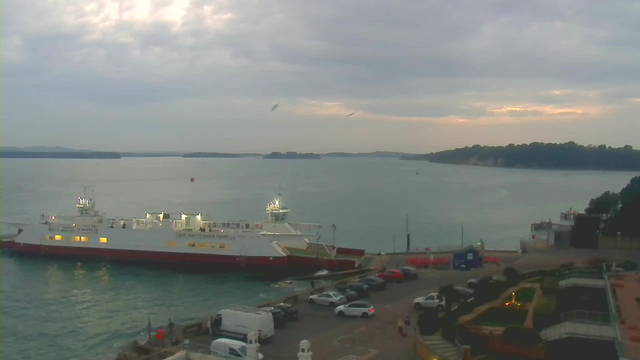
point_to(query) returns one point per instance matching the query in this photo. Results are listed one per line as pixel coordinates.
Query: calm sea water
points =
(83, 310)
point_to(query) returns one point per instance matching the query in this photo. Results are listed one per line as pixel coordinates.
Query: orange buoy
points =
(192, 179)
(160, 334)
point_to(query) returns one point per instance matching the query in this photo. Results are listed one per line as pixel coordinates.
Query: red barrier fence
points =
(491, 260)
(427, 262)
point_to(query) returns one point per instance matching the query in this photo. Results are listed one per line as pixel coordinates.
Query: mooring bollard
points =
(252, 346)
(305, 350)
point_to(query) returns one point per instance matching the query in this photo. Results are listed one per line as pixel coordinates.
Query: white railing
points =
(587, 317)
(621, 346)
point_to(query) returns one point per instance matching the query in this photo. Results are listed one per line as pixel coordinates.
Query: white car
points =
(356, 308)
(330, 298)
(433, 300)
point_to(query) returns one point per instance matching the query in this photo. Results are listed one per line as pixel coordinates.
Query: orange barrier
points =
(427, 262)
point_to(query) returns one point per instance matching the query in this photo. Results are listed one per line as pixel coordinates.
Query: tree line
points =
(540, 155)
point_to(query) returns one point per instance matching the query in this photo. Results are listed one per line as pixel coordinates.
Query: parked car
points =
(356, 308)
(238, 322)
(278, 316)
(409, 273)
(433, 300)
(348, 293)
(472, 283)
(330, 298)
(230, 348)
(361, 289)
(290, 313)
(391, 275)
(374, 283)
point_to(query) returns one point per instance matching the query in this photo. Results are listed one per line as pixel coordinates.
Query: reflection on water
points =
(79, 272)
(103, 273)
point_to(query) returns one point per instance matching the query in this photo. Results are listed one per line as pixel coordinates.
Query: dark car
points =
(290, 313)
(409, 273)
(374, 283)
(278, 316)
(361, 289)
(465, 293)
(348, 293)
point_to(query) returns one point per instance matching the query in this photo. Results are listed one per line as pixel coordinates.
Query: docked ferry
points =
(186, 239)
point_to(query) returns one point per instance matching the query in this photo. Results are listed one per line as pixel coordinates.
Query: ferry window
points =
(246, 226)
(191, 244)
(202, 245)
(238, 226)
(170, 243)
(103, 240)
(58, 237)
(223, 246)
(213, 246)
(76, 238)
(187, 221)
(84, 238)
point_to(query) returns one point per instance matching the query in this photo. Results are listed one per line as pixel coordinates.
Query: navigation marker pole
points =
(408, 236)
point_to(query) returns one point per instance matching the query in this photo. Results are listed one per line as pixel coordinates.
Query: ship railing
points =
(83, 228)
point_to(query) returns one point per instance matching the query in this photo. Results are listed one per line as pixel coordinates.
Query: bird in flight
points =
(350, 114)
(274, 107)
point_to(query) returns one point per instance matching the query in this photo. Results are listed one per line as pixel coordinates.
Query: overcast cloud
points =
(192, 75)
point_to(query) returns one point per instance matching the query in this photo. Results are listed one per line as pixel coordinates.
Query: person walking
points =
(400, 327)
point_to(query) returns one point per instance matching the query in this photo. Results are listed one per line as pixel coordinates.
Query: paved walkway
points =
(627, 288)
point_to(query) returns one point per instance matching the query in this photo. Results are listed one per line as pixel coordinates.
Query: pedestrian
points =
(407, 320)
(313, 284)
(400, 327)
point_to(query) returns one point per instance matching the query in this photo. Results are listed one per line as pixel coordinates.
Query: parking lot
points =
(336, 338)
(353, 338)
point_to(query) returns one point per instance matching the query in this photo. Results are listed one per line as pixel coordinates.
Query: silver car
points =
(330, 298)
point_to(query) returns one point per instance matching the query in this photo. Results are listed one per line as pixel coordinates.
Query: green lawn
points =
(523, 295)
(546, 305)
(501, 317)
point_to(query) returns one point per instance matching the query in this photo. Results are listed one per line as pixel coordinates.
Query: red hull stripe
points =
(146, 256)
(322, 263)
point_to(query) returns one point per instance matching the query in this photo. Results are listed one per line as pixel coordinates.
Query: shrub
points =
(512, 275)
(521, 336)
(428, 321)
(546, 305)
(450, 295)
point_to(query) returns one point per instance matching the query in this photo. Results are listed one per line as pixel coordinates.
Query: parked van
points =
(232, 349)
(238, 321)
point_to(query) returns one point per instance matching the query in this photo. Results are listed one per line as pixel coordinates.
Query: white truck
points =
(238, 321)
(229, 348)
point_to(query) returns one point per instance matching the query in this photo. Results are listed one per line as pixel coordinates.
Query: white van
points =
(238, 321)
(232, 349)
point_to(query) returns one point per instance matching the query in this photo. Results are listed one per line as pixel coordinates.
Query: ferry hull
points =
(316, 263)
(187, 260)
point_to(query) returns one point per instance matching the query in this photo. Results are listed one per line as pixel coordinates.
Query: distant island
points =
(381, 154)
(291, 155)
(58, 155)
(210, 155)
(569, 156)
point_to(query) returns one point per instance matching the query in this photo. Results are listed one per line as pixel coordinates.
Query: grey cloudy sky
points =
(193, 75)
